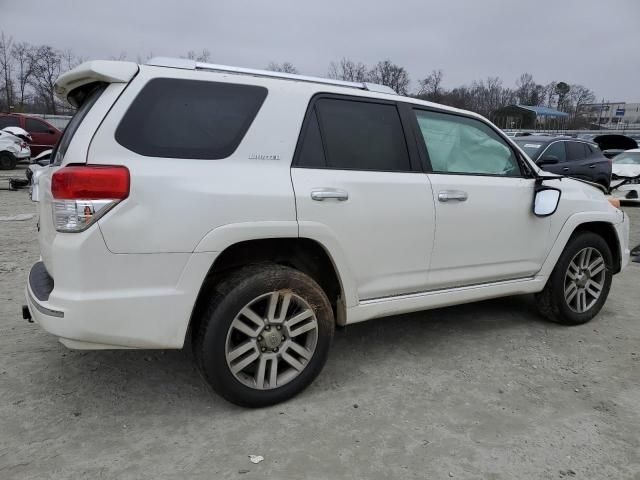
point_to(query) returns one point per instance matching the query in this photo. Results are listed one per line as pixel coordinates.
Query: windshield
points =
(532, 149)
(61, 148)
(628, 158)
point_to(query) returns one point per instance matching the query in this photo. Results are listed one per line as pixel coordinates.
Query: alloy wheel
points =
(271, 340)
(584, 279)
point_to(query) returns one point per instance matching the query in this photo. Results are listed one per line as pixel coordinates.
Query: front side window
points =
(36, 126)
(360, 135)
(176, 118)
(557, 150)
(464, 145)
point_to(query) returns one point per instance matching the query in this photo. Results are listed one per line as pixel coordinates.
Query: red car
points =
(44, 135)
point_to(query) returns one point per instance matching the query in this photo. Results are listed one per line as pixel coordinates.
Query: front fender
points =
(615, 218)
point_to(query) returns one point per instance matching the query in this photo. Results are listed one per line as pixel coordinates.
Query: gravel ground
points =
(487, 390)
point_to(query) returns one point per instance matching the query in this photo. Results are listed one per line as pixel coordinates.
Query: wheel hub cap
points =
(584, 279)
(271, 340)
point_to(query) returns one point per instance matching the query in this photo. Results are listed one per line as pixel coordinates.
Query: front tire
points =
(580, 282)
(264, 334)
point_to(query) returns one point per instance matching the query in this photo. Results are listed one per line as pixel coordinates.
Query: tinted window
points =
(189, 118)
(36, 126)
(8, 121)
(465, 145)
(575, 151)
(556, 150)
(311, 153)
(362, 135)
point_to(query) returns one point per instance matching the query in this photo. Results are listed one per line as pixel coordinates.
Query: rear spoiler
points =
(108, 71)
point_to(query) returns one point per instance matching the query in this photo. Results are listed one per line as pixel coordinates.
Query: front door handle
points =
(592, 166)
(449, 195)
(329, 194)
(565, 169)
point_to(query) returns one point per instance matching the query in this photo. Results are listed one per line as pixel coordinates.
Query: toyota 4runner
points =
(257, 210)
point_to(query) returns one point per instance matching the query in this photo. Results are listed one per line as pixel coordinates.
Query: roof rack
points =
(187, 64)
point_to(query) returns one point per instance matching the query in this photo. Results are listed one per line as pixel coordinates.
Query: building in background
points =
(611, 115)
(529, 117)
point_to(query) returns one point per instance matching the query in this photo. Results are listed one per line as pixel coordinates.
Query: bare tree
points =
(6, 68)
(391, 75)
(47, 65)
(430, 87)
(562, 90)
(285, 67)
(22, 54)
(121, 57)
(579, 96)
(204, 56)
(348, 70)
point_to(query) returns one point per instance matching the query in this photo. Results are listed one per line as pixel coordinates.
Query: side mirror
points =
(548, 160)
(546, 201)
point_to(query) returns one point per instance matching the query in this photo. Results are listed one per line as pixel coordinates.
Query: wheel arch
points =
(601, 223)
(306, 255)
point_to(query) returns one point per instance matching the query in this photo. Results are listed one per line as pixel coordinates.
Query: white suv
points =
(257, 210)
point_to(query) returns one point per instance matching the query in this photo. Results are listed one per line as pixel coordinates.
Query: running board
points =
(414, 302)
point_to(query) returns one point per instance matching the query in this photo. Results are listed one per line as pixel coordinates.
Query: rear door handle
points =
(592, 166)
(565, 169)
(452, 195)
(329, 194)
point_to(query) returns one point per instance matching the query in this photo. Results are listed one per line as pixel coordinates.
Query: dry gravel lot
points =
(486, 390)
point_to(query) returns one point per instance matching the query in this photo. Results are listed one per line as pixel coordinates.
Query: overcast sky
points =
(592, 42)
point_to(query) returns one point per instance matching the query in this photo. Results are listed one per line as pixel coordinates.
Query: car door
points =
(577, 160)
(360, 191)
(485, 228)
(44, 137)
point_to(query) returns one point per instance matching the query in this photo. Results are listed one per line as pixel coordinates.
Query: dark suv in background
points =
(568, 156)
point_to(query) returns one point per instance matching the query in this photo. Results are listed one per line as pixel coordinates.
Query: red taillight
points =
(91, 182)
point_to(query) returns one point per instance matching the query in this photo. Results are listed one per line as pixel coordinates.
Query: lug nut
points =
(275, 349)
(264, 349)
(283, 338)
(279, 327)
(267, 328)
(259, 338)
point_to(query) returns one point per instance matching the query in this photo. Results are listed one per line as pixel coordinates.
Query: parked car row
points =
(24, 137)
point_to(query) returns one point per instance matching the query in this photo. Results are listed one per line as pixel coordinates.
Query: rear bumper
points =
(118, 301)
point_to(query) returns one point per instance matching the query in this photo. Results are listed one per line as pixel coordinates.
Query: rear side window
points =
(176, 118)
(354, 135)
(576, 151)
(8, 121)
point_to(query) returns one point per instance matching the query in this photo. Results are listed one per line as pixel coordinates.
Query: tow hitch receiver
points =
(26, 314)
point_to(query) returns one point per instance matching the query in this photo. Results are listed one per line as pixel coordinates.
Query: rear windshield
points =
(532, 149)
(175, 118)
(89, 100)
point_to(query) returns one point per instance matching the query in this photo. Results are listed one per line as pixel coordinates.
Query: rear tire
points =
(580, 282)
(259, 320)
(7, 161)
